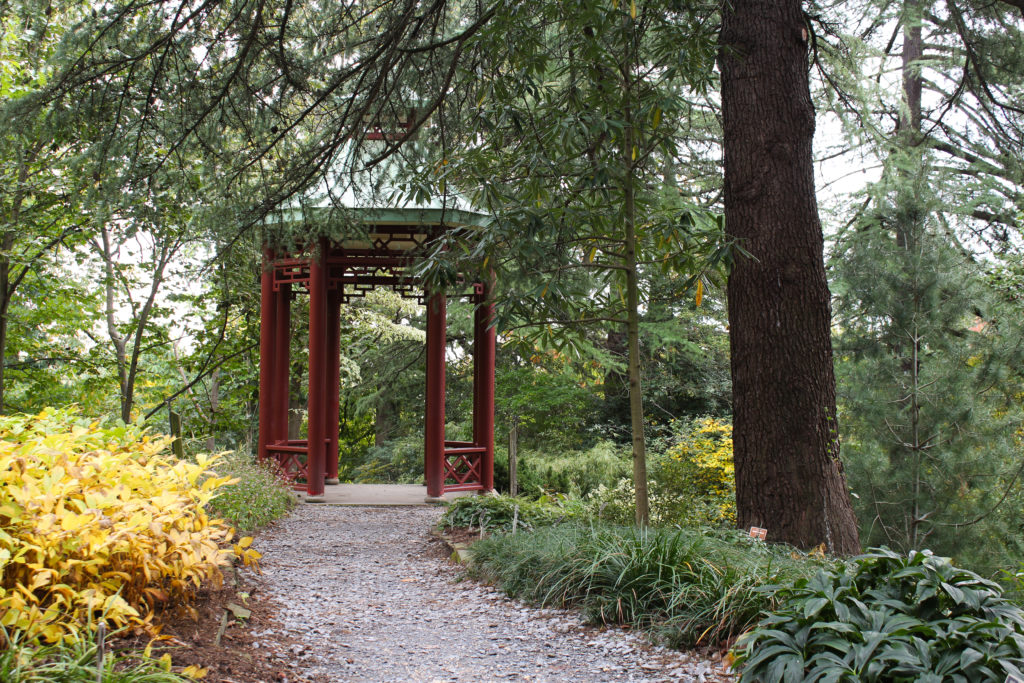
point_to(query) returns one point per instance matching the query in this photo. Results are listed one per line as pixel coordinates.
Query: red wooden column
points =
(333, 382)
(267, 325)
(484, 338)
(478, 299)
(433, 431)
(282, 362)
(316, 410)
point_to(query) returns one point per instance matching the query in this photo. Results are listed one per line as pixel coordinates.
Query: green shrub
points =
(684, 586)
(576, 473)
(887, 617)
(497, 513)
(257, 498)
(393, 462)
(617, 505)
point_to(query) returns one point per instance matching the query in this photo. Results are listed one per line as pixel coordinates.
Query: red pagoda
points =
(385, 240)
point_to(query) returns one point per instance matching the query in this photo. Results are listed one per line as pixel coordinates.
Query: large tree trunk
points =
(386, 421)
(788, 475)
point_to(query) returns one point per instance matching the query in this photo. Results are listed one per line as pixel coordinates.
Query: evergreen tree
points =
(926, 379)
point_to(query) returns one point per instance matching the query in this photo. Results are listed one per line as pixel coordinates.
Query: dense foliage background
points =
(141, 157)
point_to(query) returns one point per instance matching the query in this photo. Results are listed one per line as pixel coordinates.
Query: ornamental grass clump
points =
(887, 617)
(684, 586)
(101, 522)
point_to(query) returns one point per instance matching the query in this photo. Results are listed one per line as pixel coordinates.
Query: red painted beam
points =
(433, 429)
(477, 299)
(266, 353)
(486, 338)
(282, 363)
(316, 409)
(333, 382)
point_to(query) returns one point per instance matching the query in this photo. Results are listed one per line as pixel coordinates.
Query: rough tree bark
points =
(788, 475)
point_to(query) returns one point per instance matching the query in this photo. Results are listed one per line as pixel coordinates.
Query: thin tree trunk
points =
(128, 364)
(913, 81)
(513, 456)
(6, 244)
(789, 478)
(296, 404)
(116, 338)
(7, 240)
(636, 405)
(211, 440)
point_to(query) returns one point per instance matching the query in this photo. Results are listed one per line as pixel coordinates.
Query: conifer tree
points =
(927, 380)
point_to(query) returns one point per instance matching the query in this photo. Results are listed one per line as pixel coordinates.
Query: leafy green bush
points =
(887, 617)
(257, 498)
(497, 513)
(575, 473)
(685, 586)
(399, 461)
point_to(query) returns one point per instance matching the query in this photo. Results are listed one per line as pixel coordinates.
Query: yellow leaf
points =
(194, 672)
(636, 152)
(632, 8)
(700, 292)
(593, 253)
(657, 117)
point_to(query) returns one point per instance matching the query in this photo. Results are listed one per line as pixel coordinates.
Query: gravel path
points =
(370, 597)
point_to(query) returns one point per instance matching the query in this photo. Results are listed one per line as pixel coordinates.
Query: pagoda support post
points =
(333, 382)
(279, 401)
(316, 410)
(433, 431)
(484, 339)
(267, 326)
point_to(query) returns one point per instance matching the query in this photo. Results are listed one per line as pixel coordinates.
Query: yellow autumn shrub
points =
(691, 481)
(101, 522)
(695, 475)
